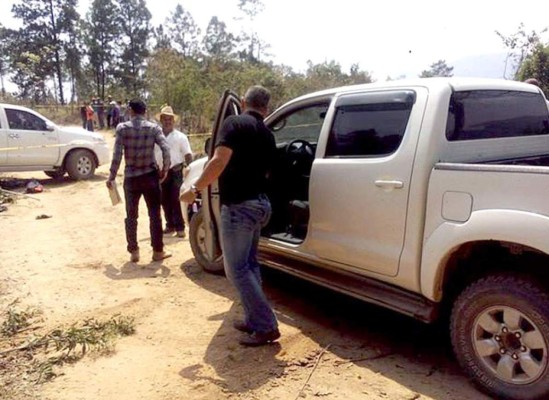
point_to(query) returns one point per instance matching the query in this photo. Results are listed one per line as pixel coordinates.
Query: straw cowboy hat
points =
(167, 110)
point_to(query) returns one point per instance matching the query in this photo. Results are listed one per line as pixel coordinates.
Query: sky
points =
(385, 37)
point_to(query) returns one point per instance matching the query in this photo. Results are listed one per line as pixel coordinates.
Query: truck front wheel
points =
(500, 335)
(80, 164)
(197, 235)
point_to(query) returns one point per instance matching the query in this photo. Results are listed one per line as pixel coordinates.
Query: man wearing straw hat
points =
(180, 155)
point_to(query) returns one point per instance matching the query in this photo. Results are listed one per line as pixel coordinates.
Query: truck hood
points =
(75, 134)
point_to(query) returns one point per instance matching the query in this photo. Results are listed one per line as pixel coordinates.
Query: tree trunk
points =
(55, 40)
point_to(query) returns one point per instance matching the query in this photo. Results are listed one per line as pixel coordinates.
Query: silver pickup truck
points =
(429, 197)
(31, 142)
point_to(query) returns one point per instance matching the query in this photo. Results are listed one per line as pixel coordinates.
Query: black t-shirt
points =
(254, 149)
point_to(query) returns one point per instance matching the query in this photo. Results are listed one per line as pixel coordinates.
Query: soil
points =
(74, 265)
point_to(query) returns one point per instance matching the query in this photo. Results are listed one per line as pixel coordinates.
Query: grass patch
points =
(27, 360)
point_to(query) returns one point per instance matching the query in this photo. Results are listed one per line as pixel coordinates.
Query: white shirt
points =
(179, 147)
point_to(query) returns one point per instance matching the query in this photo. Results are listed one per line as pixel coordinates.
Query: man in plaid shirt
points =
(135, 140)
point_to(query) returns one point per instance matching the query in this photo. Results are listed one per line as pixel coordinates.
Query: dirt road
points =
(74, 265)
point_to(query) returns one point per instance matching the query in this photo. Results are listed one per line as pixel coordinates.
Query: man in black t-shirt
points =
(244, 154)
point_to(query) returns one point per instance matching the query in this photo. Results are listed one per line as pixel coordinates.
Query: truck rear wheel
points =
(197, 236)
(80, 164)
(500, 335)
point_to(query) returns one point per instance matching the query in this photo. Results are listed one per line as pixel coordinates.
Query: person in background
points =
(135, 140)
(101, 113)
(110, 107)
(124, 111)
(89, 117)
(84, 115)
(180, 155)
(244, 154)
(116, 114)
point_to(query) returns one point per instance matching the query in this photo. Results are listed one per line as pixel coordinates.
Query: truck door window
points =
(304, 124)
(369, 125)
(18, 119)
(487, 114)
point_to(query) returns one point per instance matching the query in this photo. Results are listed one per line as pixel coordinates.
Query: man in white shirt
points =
(180, 156)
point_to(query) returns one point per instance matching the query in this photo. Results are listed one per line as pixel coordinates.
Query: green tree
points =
(218, 42)
(183, 31)
(5, 37)
(255, 48)
(439, 68)
(520, 45)
(101, 33)
(134, 24)
(47, 27)
(536, 65)
(161, 38)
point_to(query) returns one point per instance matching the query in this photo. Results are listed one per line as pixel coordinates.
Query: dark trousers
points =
(170, 199)
(148, 186)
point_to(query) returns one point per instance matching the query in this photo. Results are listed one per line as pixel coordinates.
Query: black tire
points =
(500, 336)
(56, 174)
(80, 164)
(196, 238)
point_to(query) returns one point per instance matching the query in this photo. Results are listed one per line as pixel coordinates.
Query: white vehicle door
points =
(360, 180)
(30, 139)
(229, 104)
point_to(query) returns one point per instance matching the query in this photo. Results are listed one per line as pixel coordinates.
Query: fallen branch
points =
(18, 194)
(313, 370)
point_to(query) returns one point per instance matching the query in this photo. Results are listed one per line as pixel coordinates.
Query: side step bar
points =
(360, 287)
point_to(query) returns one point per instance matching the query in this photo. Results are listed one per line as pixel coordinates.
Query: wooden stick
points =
(314, 368)
(18, 194)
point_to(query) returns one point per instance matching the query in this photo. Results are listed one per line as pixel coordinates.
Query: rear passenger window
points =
(369, 125)
(486, 114)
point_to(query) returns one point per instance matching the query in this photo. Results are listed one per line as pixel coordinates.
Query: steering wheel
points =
(300, 154)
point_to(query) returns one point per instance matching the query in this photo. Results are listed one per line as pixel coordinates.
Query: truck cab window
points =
(489, 114)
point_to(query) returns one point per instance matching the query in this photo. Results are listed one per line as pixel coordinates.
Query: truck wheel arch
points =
(450, 242)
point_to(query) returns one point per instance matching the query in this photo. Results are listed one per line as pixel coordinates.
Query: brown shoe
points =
(242, 326)
(260, 339)
(181, 234)
(134, 257)
(161, 255)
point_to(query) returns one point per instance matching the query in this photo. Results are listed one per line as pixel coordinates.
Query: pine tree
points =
(134, 23)
(47, 27)
(102, 31)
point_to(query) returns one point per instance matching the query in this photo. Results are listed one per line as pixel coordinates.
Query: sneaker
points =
(181, 234)
(242, 326)
(260, 339)
(161, 255)
(168, 231)
(134, 257)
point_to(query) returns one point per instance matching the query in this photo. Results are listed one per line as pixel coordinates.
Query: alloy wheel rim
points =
(510, 345)
(84, 165)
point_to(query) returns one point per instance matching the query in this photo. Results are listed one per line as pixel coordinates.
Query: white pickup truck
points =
(31, 142)
(429, 197)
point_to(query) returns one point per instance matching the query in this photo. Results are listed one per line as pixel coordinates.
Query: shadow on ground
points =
(400, 348)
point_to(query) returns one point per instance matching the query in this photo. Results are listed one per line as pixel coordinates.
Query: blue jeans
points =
(240, 228)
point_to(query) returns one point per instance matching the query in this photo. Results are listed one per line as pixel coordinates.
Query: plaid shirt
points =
(136, 139)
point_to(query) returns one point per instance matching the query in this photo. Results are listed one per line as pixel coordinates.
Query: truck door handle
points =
(13, 135)
(389, 184)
